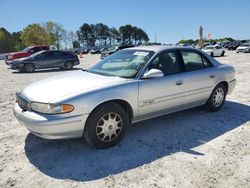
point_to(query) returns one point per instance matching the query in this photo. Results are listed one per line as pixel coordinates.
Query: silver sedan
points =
(129, 86)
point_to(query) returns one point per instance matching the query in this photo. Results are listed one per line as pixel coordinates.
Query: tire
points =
(68, 65)
(29, 68)
(217, 98)
(106, 126)
(223, 53)
(212, 54)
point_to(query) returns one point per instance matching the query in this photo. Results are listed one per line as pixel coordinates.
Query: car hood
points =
(18, 53)
(67, 85)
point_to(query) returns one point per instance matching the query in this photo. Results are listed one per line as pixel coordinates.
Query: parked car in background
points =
(234, 45)
(114, 49)
(245, 48)
(25, 53)
(46, 59)
(214, 50)
(128, 86)
(95, 51)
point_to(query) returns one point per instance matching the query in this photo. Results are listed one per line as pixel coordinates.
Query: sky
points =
(166, 20)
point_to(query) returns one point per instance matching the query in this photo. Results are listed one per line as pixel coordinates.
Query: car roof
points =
(39, 46)
(160, 48)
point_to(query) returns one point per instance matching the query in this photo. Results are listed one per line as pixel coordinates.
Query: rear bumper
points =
(51, 126)
(231, 86)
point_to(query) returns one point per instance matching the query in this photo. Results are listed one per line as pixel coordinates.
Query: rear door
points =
(58, 58)
(199, 77)
(45, 59)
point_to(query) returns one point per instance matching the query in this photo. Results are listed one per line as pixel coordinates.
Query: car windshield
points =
(125, 63)
(208, 47)
(26, 49)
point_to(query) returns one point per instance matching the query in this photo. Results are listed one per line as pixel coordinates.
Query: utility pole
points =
(155, 37)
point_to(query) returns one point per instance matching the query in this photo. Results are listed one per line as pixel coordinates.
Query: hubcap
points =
(218, 97)
(109, 127)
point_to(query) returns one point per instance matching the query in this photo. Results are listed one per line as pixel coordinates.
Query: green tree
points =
(6, 43)
(114, 36)
(17, 41)
(55, 34)
(76, 44)
(34, 34)
(86, 34)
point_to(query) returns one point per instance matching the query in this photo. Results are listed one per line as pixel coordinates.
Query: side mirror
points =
(153, 73)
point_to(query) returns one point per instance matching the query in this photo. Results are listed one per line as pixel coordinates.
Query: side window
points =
(45, 54)
(206, 62)
(45, 48)
(193, 61)
(58, 54)
(35, 49)
(168, 63)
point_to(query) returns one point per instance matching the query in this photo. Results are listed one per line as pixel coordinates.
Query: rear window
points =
(194, 61)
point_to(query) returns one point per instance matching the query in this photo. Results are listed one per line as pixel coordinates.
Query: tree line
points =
(100, 34)
(53, 34)
(194, 42)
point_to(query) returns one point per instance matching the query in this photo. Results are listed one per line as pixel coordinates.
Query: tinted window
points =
(36, 49)
(58, 54)
(45, 54)
(44, 48)
(193, 61)
(168, 63)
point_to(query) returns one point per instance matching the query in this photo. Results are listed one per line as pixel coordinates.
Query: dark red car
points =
(25, 53)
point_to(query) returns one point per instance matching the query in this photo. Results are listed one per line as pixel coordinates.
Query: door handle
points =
(179, 82)
(212, 76)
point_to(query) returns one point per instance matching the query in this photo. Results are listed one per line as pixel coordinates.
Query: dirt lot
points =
(193, 148)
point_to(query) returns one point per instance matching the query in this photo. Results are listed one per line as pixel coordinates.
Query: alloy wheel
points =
(109, 127)
(218, 97)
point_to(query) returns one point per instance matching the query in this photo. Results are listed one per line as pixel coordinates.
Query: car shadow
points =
(144, 143)
(45, 71)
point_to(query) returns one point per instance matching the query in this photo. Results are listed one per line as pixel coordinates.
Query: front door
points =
(162, 95)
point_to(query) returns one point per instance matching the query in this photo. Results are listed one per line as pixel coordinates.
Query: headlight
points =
(47, 108)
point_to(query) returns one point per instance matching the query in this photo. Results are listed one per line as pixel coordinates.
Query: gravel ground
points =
(193, 148)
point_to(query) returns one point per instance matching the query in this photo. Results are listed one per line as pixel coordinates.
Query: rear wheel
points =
(106, 126)
(29, 68)
(217, 98)
(68, 65)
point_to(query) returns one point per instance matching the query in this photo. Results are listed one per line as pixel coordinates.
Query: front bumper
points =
(51, 126)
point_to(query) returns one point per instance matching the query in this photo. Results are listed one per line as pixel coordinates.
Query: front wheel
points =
(106, 126)
(212, 54)
(29, 68)
(223, 53)
(217, 98)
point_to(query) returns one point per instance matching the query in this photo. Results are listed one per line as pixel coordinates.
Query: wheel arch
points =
(223, 83)
(124, 104)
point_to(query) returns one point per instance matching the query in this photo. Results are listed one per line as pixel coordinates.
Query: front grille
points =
(24, 104)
